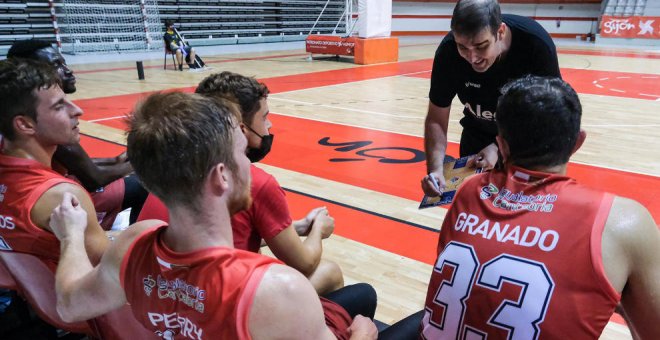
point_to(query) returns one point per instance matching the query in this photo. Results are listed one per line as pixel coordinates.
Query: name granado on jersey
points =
(524, 236)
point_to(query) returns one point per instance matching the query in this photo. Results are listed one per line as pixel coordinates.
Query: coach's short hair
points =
(20, 79)
(244, 91)
(539, 118)
(470, 17)
(174, 139)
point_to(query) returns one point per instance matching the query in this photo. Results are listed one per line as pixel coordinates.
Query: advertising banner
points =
(630, 27)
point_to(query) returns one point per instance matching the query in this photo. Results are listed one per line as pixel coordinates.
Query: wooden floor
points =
(381, 236)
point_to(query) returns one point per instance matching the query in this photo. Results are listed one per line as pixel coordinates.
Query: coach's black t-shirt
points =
(532, 52)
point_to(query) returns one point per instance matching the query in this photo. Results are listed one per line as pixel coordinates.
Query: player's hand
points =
(305, 225)
(325, 222)
(363, 328)
(429, 185)
(486, 158)
(68, 219)
(122, 157)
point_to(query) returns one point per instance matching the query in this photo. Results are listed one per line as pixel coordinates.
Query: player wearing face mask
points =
(258, 153)
(268, 218)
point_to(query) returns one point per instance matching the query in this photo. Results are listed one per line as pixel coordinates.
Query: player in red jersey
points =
(35, 118)
(527, 252)
(109, 180)
(185, 278)
(268, 218)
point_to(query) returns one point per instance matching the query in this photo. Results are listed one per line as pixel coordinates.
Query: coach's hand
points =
(434, 183)
(486, 158)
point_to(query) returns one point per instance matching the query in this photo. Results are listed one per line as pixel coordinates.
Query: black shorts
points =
(473, 141)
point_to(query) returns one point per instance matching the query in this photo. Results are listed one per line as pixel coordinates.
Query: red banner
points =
(328, 44)
(630, 27)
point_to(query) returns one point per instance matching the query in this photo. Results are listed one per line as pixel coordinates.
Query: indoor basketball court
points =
(350, 137)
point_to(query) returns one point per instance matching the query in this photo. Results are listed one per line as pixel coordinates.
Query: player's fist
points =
(363, 328)
(325, 222)
(68, 219)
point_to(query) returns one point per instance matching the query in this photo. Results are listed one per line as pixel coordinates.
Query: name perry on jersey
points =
(524, 236)
(176, 323)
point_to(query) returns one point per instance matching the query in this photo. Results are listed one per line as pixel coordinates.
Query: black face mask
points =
(255, 155)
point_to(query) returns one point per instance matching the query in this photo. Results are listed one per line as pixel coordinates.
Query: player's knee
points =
(334, 274)
(368, 298)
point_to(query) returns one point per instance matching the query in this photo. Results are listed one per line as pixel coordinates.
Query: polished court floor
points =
(349, 137)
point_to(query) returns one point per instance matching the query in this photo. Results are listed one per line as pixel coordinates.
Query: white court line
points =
(621, 125)
(104, 119)
(599, 86)
(646, 77)
(649, 95)
(347, 108)
(615, 90)
(352, 82)
(452, 120)
(353, 125)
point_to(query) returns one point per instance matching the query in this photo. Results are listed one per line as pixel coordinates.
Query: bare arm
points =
(435, 146)
(83, 291)
(92, 174)
(303, 255)
(95, 241)
(631, 257)
(287, 307)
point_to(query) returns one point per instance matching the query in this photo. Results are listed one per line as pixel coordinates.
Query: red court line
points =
(104, 107)
(379, 232)
(313, 159)
(298, 149)
(230, 60)
(382, 233)
(100, 148)
(612, 83)
(560, 50)
(610, 53)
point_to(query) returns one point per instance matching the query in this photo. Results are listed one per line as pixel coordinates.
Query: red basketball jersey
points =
(22, 182)
(205, 294)
(519, 257)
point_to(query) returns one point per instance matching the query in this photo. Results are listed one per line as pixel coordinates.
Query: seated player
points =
(185, 279)
(35, 119)
(268, 217)
(105, 178)
(181, 50)
(527, 252)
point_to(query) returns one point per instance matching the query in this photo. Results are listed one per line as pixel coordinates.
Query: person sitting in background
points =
(175, 44)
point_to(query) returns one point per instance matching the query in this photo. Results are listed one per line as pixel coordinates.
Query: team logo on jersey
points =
(488, 191)
(507, 200)
(179, 289)
(149, 284)
(468, 84)
(3, 190)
